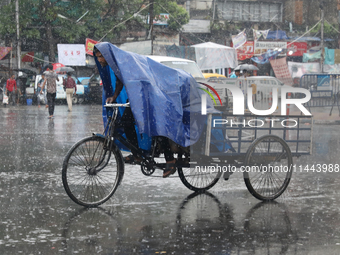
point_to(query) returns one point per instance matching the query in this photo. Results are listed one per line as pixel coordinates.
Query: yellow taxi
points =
(213, 75)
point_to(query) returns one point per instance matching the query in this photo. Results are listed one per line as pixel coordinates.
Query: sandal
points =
(170, 168)
(132, 160)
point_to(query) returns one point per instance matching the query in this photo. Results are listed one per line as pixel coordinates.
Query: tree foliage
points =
(48, 22)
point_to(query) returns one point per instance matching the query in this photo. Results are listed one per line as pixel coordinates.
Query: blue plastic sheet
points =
(164, 101)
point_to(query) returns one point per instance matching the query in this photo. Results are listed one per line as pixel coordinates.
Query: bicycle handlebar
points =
(117, 105)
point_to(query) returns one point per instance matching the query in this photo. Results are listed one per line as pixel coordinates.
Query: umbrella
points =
(246, 67)
(57, 65)
(64, 69)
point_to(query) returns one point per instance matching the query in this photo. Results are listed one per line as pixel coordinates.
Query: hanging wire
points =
(305, 33)
(124, 21)
(332, 26)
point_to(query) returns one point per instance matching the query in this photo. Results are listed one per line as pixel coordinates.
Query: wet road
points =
(151, 215)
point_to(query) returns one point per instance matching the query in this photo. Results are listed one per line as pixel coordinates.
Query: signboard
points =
(262, 47)
(239, 39)
(245, 51)
(281, 70)
(161, 19)
(324, 82)
(298, 48)
(72, 54)
(89, 46)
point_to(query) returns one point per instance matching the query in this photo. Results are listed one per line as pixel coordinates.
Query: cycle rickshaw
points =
(263, 146)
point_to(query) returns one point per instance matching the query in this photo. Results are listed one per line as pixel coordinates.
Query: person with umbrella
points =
(236, 74)
(71, 89)
(51, 89)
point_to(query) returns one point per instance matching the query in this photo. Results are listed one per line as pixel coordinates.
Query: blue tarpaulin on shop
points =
(277, 35)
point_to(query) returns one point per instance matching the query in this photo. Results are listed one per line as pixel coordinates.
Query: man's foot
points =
(68, 110)
(170, 168)
(38, 105)
(46, 106)
(51, 117)
(132, 160)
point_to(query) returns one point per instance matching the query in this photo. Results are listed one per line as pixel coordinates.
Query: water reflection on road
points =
(152, 215)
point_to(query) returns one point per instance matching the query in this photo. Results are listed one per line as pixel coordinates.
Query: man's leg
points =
(49, 103)
(69, 93)
(168, 154)
(128, 122)
(170, 167)
(53, 95)
(13, 97)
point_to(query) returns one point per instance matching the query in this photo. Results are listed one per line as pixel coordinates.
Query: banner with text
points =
(281, 70)
(72, 54)
(89, 46)
(245, 51)
(263, 47)
(239, 39)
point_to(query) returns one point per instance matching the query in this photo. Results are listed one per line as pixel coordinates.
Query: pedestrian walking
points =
(51, 89)
(71, 89)
(11, 88)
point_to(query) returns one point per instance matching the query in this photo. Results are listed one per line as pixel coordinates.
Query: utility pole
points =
(18, 34)
(322, 24)
(151, 24)
(338, 8)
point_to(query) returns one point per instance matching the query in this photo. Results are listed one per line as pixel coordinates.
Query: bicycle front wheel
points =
(92, 172)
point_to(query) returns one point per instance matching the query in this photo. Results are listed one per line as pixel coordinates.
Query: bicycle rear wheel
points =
(198, 179)
(268, 167)
(90, 173)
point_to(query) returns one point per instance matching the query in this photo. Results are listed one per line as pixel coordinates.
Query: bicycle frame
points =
(112, 134)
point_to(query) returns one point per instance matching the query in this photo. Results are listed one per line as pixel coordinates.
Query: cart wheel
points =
(196, 179)
(268, 167)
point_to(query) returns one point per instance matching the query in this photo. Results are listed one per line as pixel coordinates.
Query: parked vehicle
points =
(264, 85)
(85, 82)
(61, 94)
(180, 63)
(95, 88)
(192, 68)
(214, 76)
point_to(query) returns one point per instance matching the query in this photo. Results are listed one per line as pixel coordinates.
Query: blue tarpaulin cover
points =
(277, 35)
(164, 101)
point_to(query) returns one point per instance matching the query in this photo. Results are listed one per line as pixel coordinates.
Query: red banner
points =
(89, 46)
(28, 57)
(281, 70)
(245, 51)
(298, 48)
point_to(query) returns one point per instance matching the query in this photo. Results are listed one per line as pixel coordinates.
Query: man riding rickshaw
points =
(164, 102)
